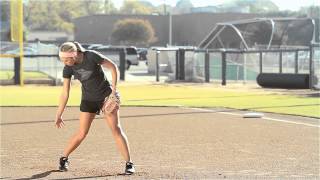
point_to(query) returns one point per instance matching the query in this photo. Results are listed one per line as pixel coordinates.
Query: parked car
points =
(142, 52)
(95, 46)
(85, 45)
(112, 52)
(26, 51)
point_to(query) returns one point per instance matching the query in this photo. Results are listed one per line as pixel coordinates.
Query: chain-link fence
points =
(233, 65)
(40, 62)
(188, 64)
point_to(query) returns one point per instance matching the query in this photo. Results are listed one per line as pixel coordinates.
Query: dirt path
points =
(166, 143)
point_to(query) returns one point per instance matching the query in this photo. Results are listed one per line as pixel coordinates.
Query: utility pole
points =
(164, 7)
(107, 6)
(170, 29)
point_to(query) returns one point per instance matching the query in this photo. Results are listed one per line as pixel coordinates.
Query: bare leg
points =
(85, 123)
(119, 136)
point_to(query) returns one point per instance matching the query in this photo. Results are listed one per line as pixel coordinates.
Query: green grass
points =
(172, 95)
(27, 75)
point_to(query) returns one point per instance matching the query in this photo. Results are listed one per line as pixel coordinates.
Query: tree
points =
(146, 3)
(165, 9)
(255, 6)
(286, 13)
(135, 7)
(133, 31)
(5, 21)
(52, 15)
(311, 11)
(5, 13)
(109, 7)
(98, 6)
(58, 15)
(183, 6)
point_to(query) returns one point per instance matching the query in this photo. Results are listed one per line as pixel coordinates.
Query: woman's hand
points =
(113, 92)
(59, 122)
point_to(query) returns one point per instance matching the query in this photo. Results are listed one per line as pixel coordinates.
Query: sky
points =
(282, 4)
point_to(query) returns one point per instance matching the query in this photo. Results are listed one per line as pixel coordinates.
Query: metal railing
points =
(279, 57)
(50, 68)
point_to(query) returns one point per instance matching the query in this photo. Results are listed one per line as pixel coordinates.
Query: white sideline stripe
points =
(300, 123)
(266, 118)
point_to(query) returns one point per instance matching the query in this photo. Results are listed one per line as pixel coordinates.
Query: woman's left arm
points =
(114, 72)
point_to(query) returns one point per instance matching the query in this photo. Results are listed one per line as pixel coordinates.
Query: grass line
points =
(172, 95)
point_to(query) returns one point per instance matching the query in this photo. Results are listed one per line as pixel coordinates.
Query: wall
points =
(187, 29)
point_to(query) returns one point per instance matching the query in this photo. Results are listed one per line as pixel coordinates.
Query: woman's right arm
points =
(63, 102)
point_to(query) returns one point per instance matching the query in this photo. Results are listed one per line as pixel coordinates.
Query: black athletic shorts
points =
(91, 106)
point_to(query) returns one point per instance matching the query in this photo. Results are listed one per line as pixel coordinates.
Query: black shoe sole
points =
(63, 169)
(129, 173)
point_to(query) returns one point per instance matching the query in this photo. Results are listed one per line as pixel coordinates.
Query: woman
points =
(85, 65)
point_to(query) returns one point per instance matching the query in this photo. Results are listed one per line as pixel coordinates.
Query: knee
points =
(81, 135)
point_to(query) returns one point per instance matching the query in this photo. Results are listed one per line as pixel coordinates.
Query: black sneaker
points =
(129, 168)
(64, 164)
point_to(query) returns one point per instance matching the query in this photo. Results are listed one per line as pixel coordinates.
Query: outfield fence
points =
(178, 63)
(232, 65)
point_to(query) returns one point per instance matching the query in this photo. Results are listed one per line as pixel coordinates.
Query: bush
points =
(133, 31)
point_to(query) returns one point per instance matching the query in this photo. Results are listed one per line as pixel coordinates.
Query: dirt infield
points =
(166, 143)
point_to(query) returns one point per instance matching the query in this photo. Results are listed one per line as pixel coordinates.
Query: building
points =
(49, 36)
(187, 29)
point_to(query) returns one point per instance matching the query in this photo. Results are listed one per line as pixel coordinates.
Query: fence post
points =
(122, 59)
(224, 68)
(260, 61)
(182, 64)
(296, 62)
(280, 62)
(55, 62)
(157, 65)
(207, 66)
(177, 64)
(17, 65)
(311, 71)
(244, 67)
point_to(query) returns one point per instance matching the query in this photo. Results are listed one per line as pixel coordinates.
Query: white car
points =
(112, 52)
(26, 51)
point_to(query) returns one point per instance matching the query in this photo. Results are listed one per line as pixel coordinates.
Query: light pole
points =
(107, 6)
(170, 29)
(164, 7)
